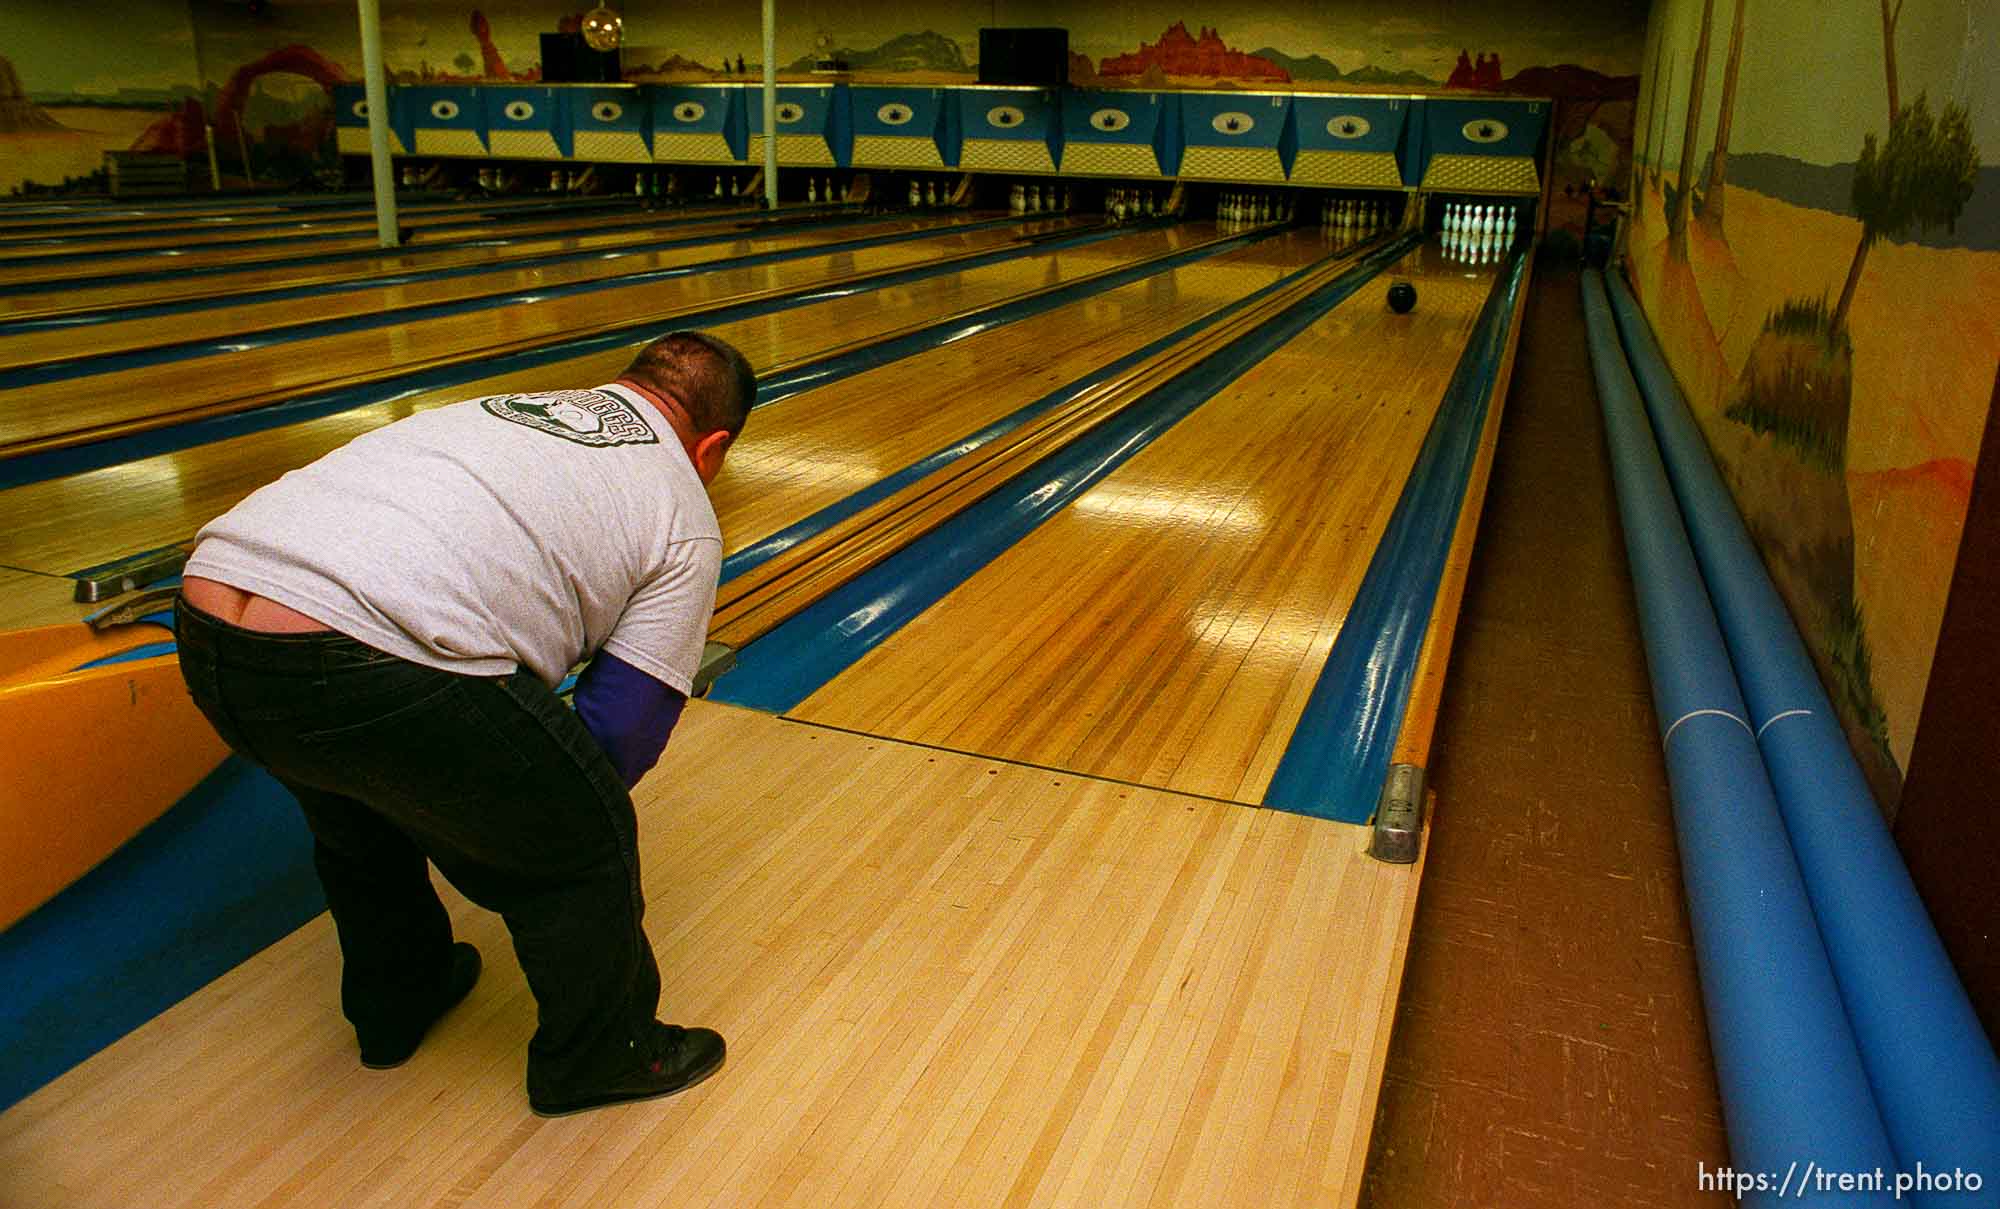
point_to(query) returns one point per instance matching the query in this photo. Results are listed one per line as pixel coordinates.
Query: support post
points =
(770, 104)
(377, 90)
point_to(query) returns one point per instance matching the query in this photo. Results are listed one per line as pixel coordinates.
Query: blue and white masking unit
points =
(1453, 144)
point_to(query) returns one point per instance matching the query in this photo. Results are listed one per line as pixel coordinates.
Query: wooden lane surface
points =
(1039, 355)
(152, 236)
(83, 296)
(28, 599)
(87, 519)
(33, 348)
(816, 448)
(944, 981)
(168, 259)
(1167, 627)
(52, 413)
(86, 227)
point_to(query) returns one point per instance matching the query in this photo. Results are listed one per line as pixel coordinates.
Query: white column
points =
(378, 122)
(770, 104)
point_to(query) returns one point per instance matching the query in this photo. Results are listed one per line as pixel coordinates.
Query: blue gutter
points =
(223, 873)
(639, 247)
(784, 386)
(77, 459)
(1929, 1061)
(14, 262)
(72, 368)
(1786, 1059)
(1338, 755)
(796, 658)
(422, 248)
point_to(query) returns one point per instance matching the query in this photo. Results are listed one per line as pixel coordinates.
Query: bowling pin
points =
(930, 193)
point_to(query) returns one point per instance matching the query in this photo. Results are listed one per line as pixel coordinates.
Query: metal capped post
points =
(1398, 833)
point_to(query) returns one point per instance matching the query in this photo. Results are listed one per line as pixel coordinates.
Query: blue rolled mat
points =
(1931, 1065)
(1793, 1090)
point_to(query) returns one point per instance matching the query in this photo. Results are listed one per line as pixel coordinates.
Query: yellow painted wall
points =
(1849, 445)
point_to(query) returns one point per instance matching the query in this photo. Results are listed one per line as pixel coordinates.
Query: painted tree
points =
(1677, 222)
(1920, 176)
(1659, 142)
(1718, 159)
(1889, 19)
(1652, 102)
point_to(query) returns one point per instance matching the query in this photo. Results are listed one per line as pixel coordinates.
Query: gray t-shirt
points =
(526, 530)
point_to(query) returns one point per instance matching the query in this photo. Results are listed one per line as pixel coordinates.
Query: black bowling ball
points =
(1402, 296)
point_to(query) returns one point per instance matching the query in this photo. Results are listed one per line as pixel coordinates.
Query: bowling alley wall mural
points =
(79, 79)
(1816, 240)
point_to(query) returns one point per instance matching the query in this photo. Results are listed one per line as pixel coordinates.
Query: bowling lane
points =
(92, 518)
(500, 226)
(818, 447)
(16, 248)
(32, 348)
(1167, 628)
(89, 227)
(83, 296)
(129, 400)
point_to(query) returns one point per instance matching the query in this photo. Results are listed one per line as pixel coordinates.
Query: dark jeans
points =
(495, 781)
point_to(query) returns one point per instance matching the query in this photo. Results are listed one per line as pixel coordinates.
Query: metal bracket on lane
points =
(793, 660)
(1336, 761)
(163, 354)
(34, 467)
(640, 247)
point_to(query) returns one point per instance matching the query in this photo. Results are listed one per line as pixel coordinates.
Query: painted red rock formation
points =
(1483, 74)
(494, 67)
(296, 60)
(17, 112)
(1179, 53)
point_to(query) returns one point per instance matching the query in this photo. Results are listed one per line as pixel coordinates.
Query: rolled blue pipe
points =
(1793, 1090)
(1932, 1067)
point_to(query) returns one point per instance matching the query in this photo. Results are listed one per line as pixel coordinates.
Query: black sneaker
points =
(668, 1060)
(385, 1053)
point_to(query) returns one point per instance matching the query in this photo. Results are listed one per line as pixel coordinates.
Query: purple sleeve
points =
(629, 713)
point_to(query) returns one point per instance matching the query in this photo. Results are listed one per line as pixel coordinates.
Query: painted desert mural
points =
(1821, 259)
(257, 71)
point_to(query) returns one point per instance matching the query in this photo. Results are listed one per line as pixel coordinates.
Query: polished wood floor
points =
(57, 414)
(944, 980)
(1200, 585)
(779, 472)
(959, 979)
(221, 322)
(77, 288)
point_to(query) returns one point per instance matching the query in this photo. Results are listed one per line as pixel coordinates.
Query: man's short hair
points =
(710, 379)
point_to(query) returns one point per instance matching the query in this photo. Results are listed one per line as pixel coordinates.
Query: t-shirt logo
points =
(588, 417)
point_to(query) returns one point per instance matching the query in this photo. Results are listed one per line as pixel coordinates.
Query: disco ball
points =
(602, 29)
